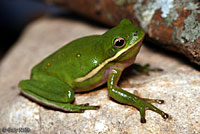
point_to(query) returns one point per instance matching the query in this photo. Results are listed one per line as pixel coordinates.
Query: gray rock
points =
(178, 85)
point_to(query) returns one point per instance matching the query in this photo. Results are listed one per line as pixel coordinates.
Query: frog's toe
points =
(143, 120)
(165, 115)
(156, 101)
(86, 106)
(77, 108)
(94, 107)
(160, 101)
(97, 107)
(142, 114)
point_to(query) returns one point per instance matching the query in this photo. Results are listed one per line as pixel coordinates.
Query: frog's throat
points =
(98, 68)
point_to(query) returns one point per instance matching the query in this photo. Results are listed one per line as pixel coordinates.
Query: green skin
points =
(85, 64)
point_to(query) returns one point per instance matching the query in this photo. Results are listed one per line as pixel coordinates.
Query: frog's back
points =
(73, 60)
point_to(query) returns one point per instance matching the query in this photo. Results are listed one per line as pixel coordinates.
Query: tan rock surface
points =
(178, 85)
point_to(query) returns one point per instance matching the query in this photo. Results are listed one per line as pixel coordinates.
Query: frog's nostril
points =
(135, 33)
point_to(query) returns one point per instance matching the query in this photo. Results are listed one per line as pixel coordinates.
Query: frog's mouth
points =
(117, 55)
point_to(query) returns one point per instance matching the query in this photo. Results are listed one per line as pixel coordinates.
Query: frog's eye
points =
(119, 42)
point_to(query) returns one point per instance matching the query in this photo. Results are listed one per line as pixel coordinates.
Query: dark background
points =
(16, 14)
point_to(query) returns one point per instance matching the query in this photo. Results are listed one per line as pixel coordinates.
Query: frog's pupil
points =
(119, 43)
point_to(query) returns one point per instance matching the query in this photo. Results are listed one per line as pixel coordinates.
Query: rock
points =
(178, 85)
(171, 24)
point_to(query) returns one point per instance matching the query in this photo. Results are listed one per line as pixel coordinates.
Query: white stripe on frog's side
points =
(98, 68)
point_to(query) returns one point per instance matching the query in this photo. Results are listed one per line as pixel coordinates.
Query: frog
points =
(83, 65)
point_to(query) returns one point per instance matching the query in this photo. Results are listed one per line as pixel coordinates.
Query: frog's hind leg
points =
(55, 94)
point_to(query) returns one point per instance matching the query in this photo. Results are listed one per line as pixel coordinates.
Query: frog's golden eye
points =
(119, 42)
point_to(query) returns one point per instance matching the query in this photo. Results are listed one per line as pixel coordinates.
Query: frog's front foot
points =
(145, 104)
(142, 104)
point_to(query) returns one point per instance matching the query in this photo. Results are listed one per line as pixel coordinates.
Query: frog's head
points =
(121, 44)
(124, 40)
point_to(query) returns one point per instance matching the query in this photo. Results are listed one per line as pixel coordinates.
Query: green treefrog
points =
(86, 63)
